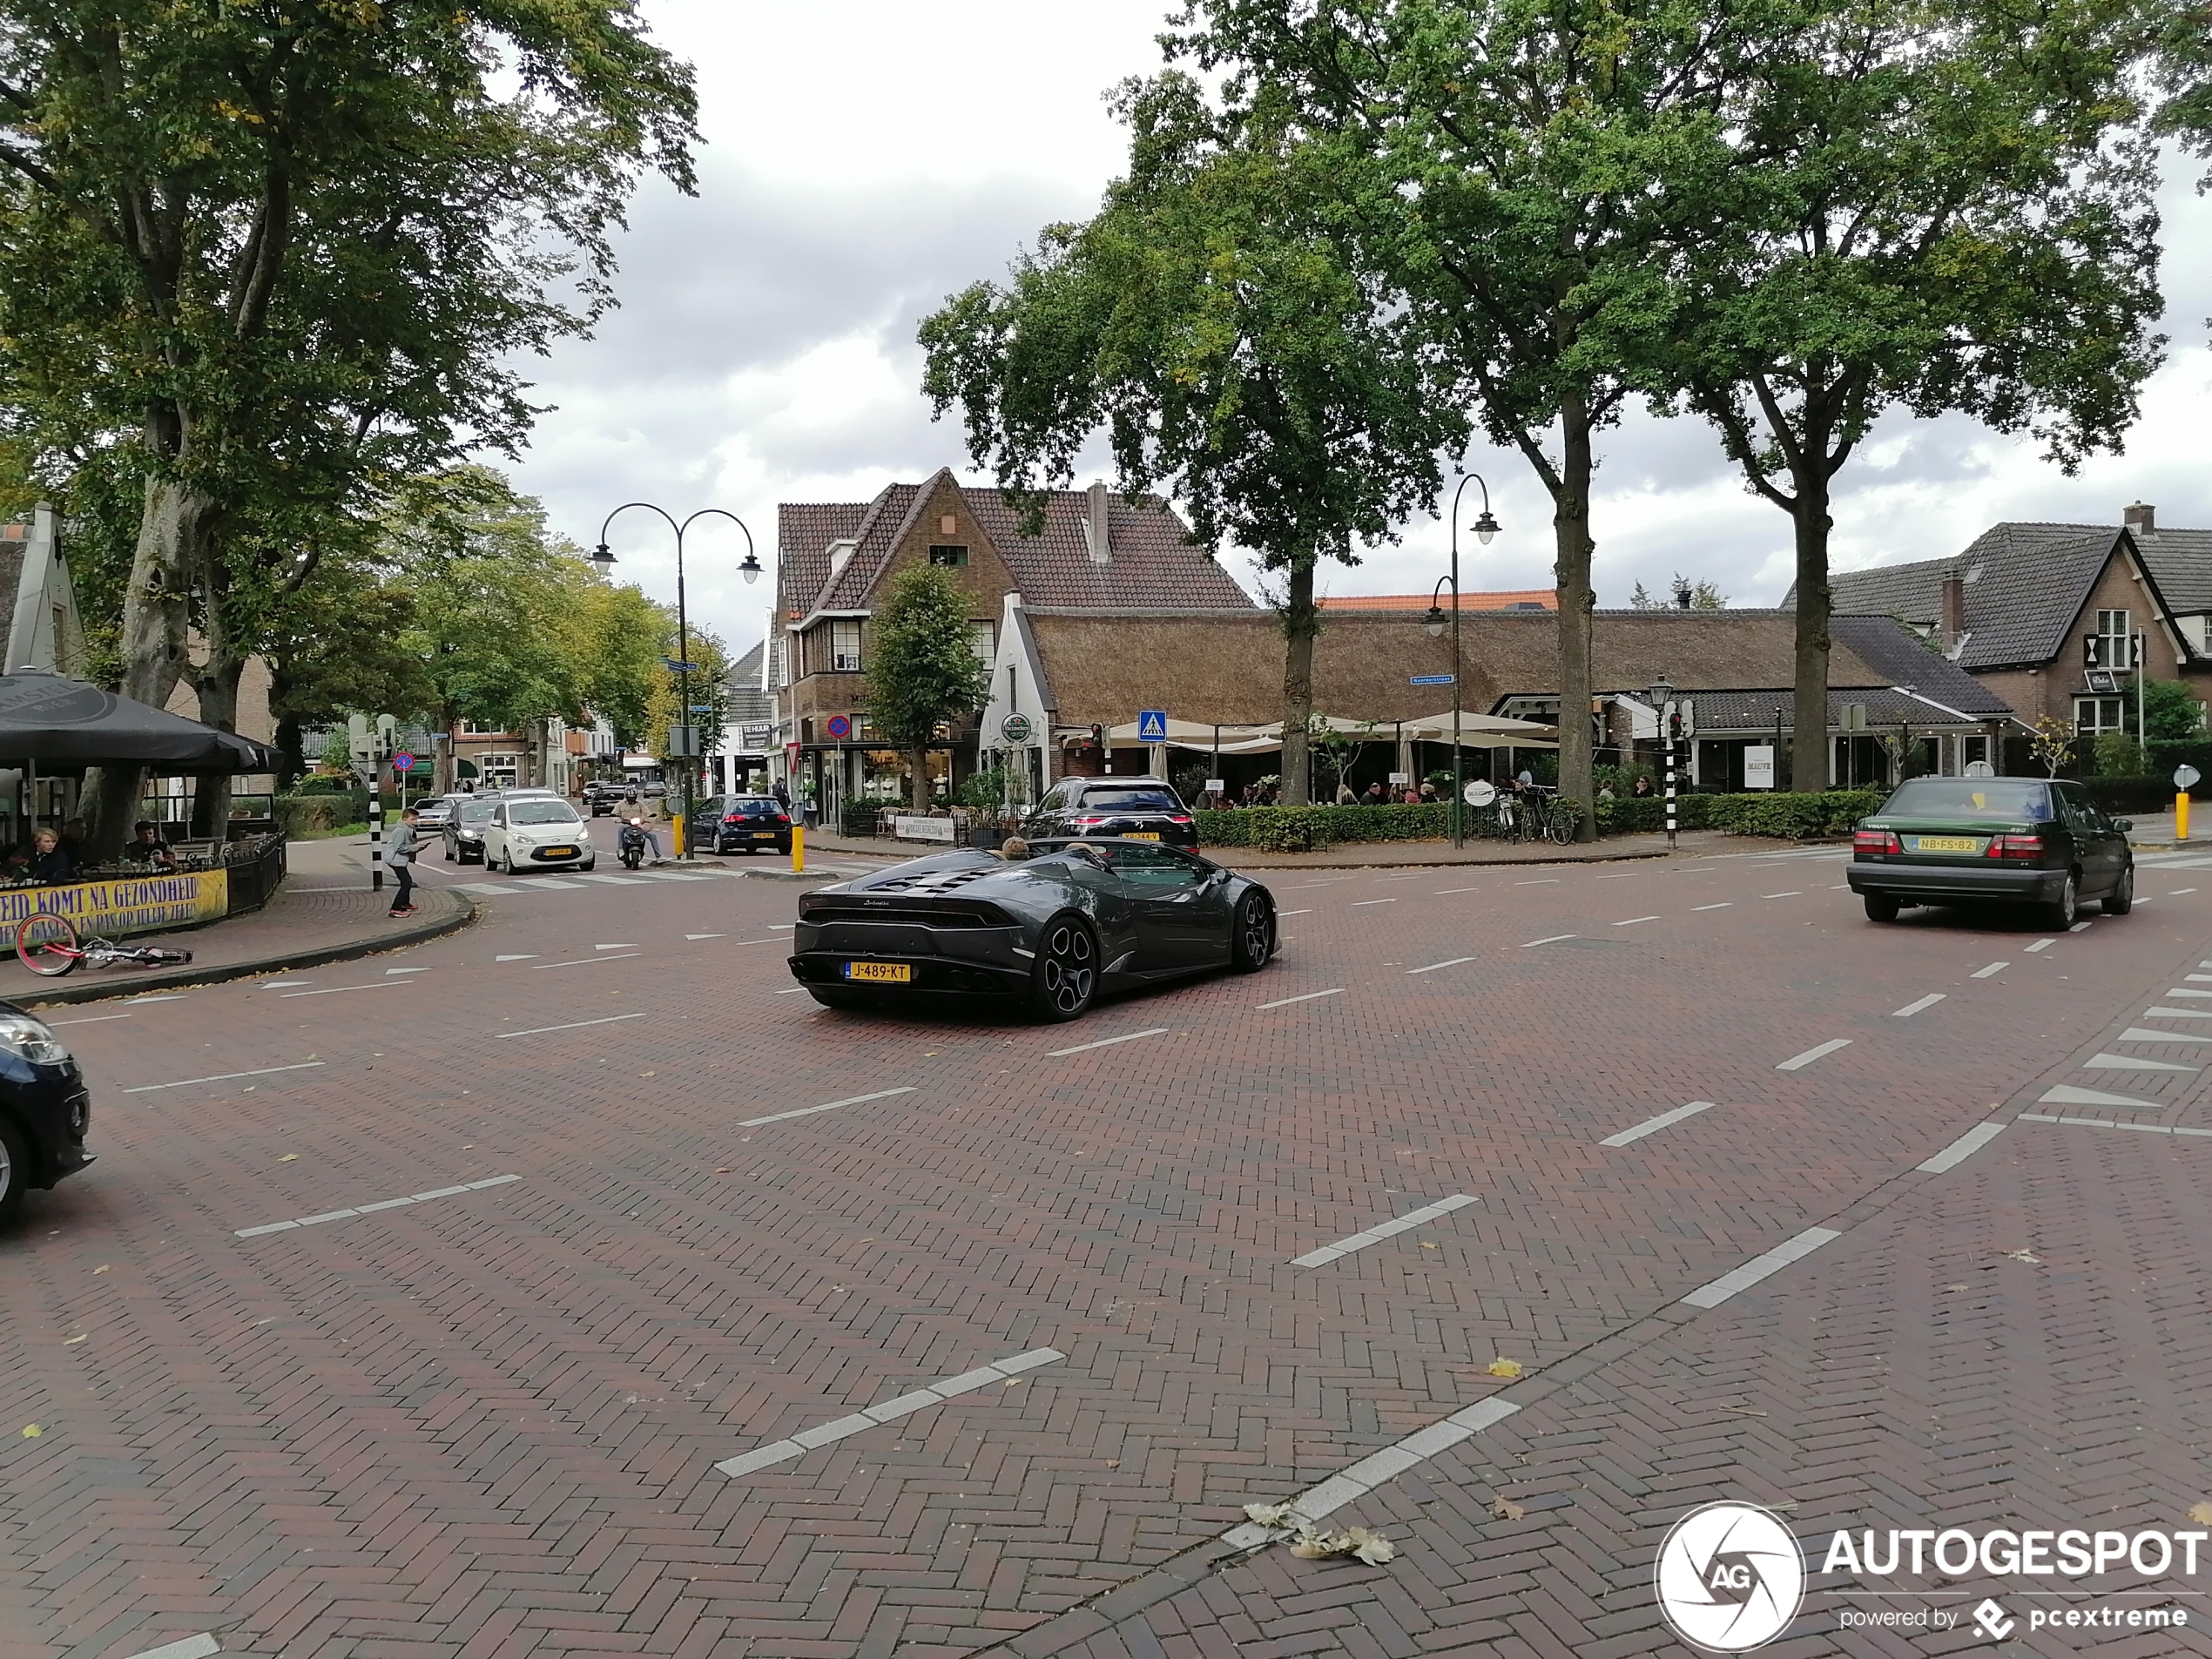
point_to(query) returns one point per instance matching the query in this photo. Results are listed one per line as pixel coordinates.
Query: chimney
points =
(1095, 531)
(1953, 624)
(2141, 521)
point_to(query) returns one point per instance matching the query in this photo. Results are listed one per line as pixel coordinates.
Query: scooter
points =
(632, 843)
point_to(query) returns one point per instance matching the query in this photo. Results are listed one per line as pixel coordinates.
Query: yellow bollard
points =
(797, 849)
(2182, 816)
(676, 835)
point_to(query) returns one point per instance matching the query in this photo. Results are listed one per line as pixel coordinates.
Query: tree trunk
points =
(1301, 621)
(175, 523)
(918, 783)
(1809, 742)
(217, 685)
(1571, 528)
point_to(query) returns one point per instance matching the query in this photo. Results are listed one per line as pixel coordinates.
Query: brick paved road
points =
(487, 1420)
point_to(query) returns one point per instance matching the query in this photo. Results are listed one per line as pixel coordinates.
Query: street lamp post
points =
(1485, 527)
(750, 569)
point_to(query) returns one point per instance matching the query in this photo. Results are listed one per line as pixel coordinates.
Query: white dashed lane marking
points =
(1361, 904)
(1962, 1149)
(189, 1648)
(1406, 1223)
(2042, 944)
(373, 1209)
(1712, 907)
(1991, 970)
(573, 1025)
(1105, 1042)
(1773, 1261)
(2067, 1094)
(831, 1106)
(936, 1393)
(1358, 1479)
(585, 962)
(223, 1077)
(1652, 1124)
(1552, 939)
(1633, 921)
(1911, 1009)
(1432, 967)
(1798, 1062)
(1284, 1001)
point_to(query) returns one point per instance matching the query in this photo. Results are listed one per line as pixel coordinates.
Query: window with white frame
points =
(2094, 714)
(986, 639)
(1972, 746)
(2112, 639)
(845, 646)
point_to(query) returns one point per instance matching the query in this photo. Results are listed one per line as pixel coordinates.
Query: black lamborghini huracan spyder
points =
(1050, 930)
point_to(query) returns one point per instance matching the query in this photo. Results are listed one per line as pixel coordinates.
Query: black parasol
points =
(52, 720)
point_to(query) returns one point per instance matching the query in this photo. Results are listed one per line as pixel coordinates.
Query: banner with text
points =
(130, 904)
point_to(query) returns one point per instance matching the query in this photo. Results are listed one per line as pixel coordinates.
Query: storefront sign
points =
(922, 829)
(1015, 728)
(128, 904)
(1758, 765)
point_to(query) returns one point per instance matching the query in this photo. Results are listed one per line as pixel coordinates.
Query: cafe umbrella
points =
(52, 720)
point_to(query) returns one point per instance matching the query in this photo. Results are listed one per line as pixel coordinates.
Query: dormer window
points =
(950, 558)
(845, 646)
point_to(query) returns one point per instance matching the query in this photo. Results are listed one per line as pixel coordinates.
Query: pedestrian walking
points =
(399, 852)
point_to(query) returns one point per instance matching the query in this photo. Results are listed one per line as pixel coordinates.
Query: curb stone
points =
(415, 933)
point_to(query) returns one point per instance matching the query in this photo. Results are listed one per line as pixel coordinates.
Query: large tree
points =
(1931, 207)
(289, 254)
(1208, 322)
(1503, 162)
(922, 668)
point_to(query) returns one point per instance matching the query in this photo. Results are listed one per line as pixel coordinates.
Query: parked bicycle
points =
(48, 947)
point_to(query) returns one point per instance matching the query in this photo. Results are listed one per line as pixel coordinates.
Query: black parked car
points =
(1137, 808)
(44, 1108)
(1952, 840)
(740, 824)
(1048, 931)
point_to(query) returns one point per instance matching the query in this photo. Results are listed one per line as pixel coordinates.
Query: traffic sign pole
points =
(2184, 777)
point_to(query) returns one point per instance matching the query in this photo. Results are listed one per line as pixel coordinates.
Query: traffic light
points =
(1674, 725)
(1098, 737)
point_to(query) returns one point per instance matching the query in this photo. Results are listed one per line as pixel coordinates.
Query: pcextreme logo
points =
(1730, 1577)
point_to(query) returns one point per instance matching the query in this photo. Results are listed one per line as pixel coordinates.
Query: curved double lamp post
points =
(750, 570)
(1486, 530)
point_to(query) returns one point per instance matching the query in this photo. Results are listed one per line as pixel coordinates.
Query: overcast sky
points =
(866, 159)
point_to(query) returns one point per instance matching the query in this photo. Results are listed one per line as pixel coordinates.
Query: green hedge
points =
(320, 813)
(1299, 829)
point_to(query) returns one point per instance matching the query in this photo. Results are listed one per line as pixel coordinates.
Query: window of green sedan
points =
(2010, 798)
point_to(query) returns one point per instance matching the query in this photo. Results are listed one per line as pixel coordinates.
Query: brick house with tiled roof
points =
(2040, 614)
(1096, 551)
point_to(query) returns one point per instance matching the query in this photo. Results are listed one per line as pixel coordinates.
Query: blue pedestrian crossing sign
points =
(1152, 725)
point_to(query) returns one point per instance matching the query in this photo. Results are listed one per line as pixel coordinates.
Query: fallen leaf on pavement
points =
(1507, 1509)
(2200, 1514)
(2023, 1255)
(72, 1342)
(1503, 1367)
(1269, 1515)
(288, 1157)
(102, 1268)
(31, 1431)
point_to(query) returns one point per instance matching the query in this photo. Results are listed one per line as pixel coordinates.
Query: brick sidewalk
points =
(302, 926)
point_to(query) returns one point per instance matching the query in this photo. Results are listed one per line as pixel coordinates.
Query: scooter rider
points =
(633, 808)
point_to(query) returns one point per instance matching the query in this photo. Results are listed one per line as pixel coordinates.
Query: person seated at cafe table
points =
(49, 863)
(147, 846)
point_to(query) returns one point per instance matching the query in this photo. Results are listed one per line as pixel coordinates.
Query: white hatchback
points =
(542, 832)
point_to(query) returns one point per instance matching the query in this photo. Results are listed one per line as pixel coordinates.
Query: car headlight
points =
(31, 1040)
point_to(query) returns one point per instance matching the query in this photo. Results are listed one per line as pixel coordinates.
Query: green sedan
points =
(2041, 841)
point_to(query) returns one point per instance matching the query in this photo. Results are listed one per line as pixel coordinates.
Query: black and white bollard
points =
(376, 829)
(1670, 777)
